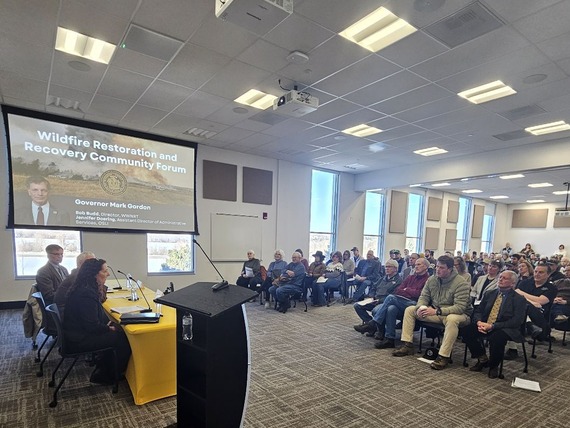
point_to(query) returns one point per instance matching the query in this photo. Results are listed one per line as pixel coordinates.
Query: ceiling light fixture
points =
(430, 151)
(535, 201)
(83, 46)
(499, 197)
(197, 132)
(510, 177)
(561, 192)
(362, 130)
(378, 30)
(416, 185)
(535, 185)
(256, 99)
(440, 184)
(548, 128)
(488, 92)
(472, 191)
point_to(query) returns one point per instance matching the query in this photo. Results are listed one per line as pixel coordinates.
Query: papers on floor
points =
(525, 384)
(367, 301)
(425, 360)
(127, 309)
(249, 272)
(321, 279)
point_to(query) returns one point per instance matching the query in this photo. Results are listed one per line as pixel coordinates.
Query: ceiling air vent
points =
(522, 112)
(466, 24)
(513, 135)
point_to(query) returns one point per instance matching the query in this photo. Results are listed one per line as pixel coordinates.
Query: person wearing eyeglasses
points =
(51, 275)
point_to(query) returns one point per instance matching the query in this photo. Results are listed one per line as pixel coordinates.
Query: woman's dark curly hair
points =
(87, 275)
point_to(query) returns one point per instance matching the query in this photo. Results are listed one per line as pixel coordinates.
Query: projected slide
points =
(82, 175)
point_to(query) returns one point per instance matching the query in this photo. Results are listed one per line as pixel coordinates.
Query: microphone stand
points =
(116, 279)
(219, 285)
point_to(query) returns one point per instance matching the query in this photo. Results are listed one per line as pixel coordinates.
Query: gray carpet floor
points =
(308, 370)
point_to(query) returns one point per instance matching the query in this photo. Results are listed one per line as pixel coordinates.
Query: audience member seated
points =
(395, 255)
(87, 327)
(461, 267)
(560, 310)
(412, 263)
(444, 300)
(385, 287)
(507, 249)
(330, 280)
(250, 274)
(499, 317)
(525, 270)
(61, 293)
(348, 264)
(539, 293)
(274, 270)
(429, 256)
(366, 274)
(486, 283)
(561, 251)
(555, 274)
(304, 261)
(290, 282)
(316, 270)
(356, 256)
(51, 275)
(527, 250)
(564, 263)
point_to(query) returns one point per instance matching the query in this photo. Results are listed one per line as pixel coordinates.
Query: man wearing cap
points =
(486, 283)
(356, 256)
(395, 255)
(386, 286)
(366, 274)
(444, 300)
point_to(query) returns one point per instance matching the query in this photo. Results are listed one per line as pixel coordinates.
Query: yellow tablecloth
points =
(151, 372)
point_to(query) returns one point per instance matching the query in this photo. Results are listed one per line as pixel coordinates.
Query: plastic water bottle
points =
(134, 295)
(159, 308)
(187, 333)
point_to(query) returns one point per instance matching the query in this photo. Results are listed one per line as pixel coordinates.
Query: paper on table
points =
(530, 385)
(366, 301)
(321, 279)
(127, 309)
(249, 272)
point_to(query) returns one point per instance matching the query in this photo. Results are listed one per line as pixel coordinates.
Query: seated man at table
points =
(499, 317)
(444, 300)
(50, 276)
(366, 274)
(290, 282)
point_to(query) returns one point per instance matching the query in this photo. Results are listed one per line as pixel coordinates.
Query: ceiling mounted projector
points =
(295, 103)
(257, 16)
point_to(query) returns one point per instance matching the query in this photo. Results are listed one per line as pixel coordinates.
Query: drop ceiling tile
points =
(287, 34)
(164, 96)
(423, 13)
(352, 119)
(413, 49)
(27, 60)
(564, 65)
(107, 107)
(513, 10)
(83, 98)
(433, 109)
(136, 62)
(62, 74)
(394, 133)
(265, 56)
(256, 140)
(362, 73)
(389, 87)
(330, 111)
(201, 105)
(193, 66)
(492, 123)
(175, 125)
(457, 115)
(25, 28)
(417, 97)
(414, 139)
(387, 123)
(253, 125)
(232, 135)
(533, 26)
(179, 20)
(19, 102)
(234, 80)
(228, 116)
(16, 86)
(289, 127)
(142, 117)
(556, 48)
(123, 84)
(222, 37)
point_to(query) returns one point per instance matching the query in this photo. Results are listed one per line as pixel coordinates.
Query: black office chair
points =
(432, 331)
(66, 353)
(48, 329)
(563, 327)
(297, 296)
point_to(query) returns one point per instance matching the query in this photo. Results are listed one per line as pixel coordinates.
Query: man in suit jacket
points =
(51, 275)
(41, 211)
(499, 317)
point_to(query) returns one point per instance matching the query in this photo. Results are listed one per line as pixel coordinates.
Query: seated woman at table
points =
(250, 274)
(87, 327)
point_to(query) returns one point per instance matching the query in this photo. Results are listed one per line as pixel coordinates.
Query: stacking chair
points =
(66, 353)
(48, 329)
(297, 296)
(564, 327)
(437, 331)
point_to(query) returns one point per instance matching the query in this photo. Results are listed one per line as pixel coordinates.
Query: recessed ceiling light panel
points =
(510, 177)
(83, 46)
(362, 130)
(430, 151)
(440, 184)
(536, 185)
(472, 191)
(548, 128)
(487, 92)
(499, 197)
(535, 201)
(561, 192)
(256, 99)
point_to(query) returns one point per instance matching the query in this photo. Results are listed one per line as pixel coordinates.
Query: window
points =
(169, 253)
(463, 225)
(487, 235)
(414, 224)
(374, 216)
(324, 207)
(30, 244)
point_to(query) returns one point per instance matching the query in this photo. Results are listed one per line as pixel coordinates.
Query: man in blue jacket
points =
(366, 275)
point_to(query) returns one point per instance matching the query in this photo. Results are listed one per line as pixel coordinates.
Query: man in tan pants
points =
(444, 300)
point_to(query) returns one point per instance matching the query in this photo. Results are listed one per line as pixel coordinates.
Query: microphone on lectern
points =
(145, 299)
(219, 285)
(119, 287)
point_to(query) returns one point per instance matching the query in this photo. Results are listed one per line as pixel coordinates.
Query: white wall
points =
(351, 214)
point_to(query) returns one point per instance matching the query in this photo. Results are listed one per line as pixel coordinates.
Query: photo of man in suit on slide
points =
(39, 210)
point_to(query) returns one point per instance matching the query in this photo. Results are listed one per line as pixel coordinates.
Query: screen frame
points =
(12, 224)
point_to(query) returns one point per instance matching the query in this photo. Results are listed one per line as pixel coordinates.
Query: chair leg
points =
(421, 339)
(52, 381)
(501, 375)
(564, 338)
(533, 355)
(53, 403)
(525, 370)
(40, 373)
(39, 357)
(465, 357)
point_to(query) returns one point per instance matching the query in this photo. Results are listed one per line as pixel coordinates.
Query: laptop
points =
(138, 318)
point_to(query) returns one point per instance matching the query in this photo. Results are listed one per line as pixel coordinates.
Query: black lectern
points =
(212, 370)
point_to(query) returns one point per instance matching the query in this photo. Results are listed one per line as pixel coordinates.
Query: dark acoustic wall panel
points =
(561, 221)
(219, 181)
(398, 212)
(478, 213)
(257, 186)
(452, 211)
(432, 238)
(530, 218)
(450, 239)
(434, 209)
